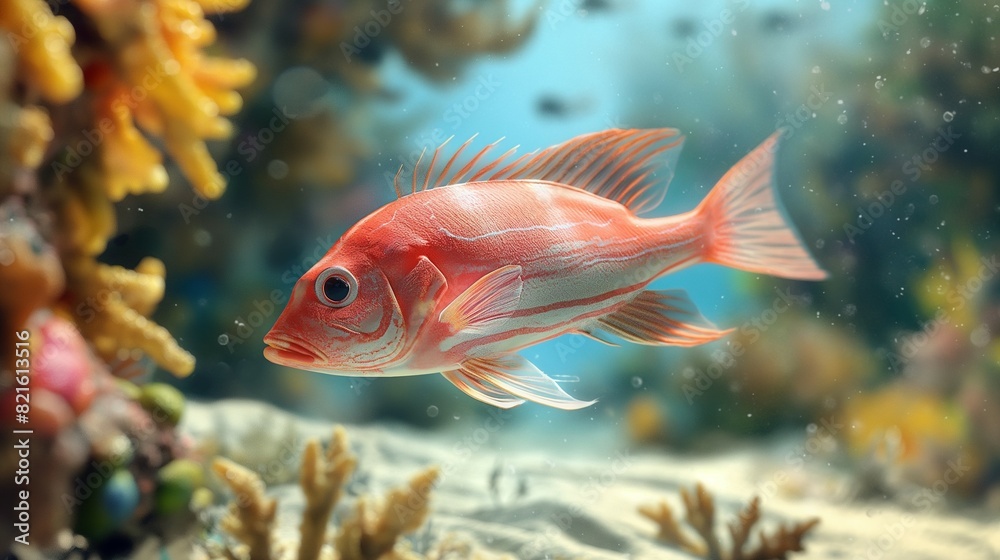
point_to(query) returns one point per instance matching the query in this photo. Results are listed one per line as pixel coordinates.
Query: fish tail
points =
(745, 226)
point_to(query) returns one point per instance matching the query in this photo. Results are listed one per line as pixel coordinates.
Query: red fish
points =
(465, 270)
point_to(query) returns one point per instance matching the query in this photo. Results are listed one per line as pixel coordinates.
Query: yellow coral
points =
(43, 42)
(947, 286)
(147, 72)
(110, 304)
(137, 165)
(85, 214)
(164, 83)
(913, 423)
(31, 137)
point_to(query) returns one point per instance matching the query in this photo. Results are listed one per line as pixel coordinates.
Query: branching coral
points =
(371, 532)
(143, 68)
(251, 514)
(700, 515)
(111, 310)
(43, 42)
(158, 78)
(322, 480)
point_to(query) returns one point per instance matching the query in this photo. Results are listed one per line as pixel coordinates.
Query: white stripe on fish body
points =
(545, 326)
(540, 326)
(538, 293)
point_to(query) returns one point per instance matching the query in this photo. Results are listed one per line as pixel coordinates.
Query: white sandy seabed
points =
(579, 507)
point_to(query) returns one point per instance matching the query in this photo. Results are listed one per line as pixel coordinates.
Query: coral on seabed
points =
(371, 532)
(700, 515)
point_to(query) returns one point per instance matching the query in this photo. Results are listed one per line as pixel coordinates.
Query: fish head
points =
(341, 318)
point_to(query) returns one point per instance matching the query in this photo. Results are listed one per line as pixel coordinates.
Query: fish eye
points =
(336, 287)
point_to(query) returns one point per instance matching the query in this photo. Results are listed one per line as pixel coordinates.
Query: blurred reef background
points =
(169, 168)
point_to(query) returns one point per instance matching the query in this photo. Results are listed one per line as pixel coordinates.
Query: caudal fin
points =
(745, 226)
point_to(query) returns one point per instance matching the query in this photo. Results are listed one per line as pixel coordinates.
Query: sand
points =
(584, 505)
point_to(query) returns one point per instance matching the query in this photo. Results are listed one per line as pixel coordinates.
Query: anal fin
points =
(505, 380)
(660, 318)
(480, 391)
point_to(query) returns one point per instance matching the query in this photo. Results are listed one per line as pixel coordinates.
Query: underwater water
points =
(173, 171)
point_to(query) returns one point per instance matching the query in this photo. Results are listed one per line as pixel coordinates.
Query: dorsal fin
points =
(616, 164)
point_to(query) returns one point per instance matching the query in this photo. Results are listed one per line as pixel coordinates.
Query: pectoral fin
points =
(659, 318)
(486, 303)
(505, 380)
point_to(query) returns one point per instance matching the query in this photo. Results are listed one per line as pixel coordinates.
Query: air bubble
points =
(948, 116)
(842, 119)
(277, 169)
(636, 382)
(432, 411)
(980, 337)
(933, 199)
(223, 339)
(202, 238)
(925, 42)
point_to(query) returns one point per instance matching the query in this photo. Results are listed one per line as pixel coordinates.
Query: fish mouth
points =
(284, 350)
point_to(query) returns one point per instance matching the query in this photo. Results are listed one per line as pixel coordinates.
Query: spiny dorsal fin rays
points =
(434, 158)
(451, 160)
(494, 163)
(615, 164)
(395, 182)
(620, 165)
(416, 166)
